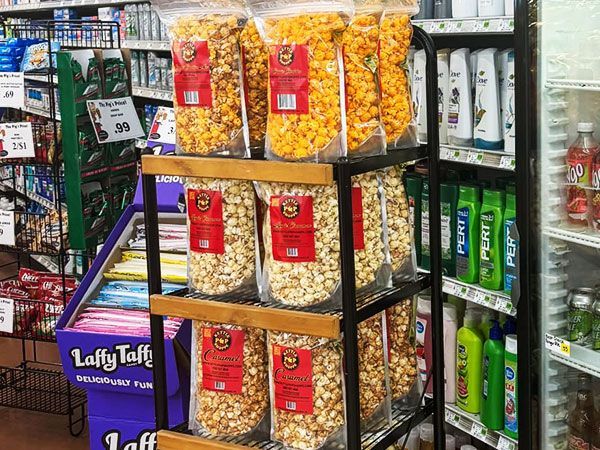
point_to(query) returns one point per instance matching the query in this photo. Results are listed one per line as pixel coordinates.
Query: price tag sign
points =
(7, 228)
(448, 287)
(462, 292)
(481, 297)
(163, 126)
(507, 162)
(478, 431)
(7, 315)
(12, 90)
(558, 345)
(505, 444)
(453, 155)
(16, 140)
(452, 417)
(474, 157)
(114, 120)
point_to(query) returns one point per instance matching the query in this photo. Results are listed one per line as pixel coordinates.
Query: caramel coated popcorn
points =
(207, 79)
(402, 357)
(224, 413)
(371, 366)
(397, 220)
(395, 36)
(256, 73)
(221, 218)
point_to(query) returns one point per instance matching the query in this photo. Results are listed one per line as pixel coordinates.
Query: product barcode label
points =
(219, 385)
(286, 102)
(191, 97)
(291, 252)
(479, 431)
(505, 444)
(290, 405)
(203, 243)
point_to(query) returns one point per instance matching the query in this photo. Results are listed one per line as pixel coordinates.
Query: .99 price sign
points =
(114, 120)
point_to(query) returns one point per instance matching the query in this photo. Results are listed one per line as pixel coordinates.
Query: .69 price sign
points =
(12, 90)
(114, 120)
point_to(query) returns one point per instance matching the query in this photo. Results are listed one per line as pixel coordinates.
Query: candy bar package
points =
(306, 118)
(208, 92)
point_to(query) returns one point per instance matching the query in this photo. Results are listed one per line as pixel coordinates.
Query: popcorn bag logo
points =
(222, 340)
(188, 52)
(223, 360)
(290, 359)
(293, 379)
(205, 212)
(108, 361)
(285, 55)
(146, 440)
(292, 228)
(290, 208)
(203, 202)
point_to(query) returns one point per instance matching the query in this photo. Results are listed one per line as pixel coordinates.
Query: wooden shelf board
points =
(291, 321)
(238, 169)
(169, 440)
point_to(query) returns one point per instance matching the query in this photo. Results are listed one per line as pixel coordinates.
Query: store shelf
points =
(156, 94)
(573, 355)
(378, 437)
(587, 238)
(474, 293)
(503, 24)
(45, 112)
(40, 78)
(42, 6)
(580, 85)
(146, 45)
(485, 158)
(470, 423)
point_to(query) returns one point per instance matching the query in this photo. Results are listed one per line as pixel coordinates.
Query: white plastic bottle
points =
(443, 64)
(464, 8)
(502, 65)
(418, 94)
(488, 8)
(509, 7)
(487, 130)
(460, 106)
(508, 119)
(450, 329)
(450, 442)
(473, 68)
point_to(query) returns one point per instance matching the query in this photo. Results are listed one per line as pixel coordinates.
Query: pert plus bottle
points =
(491, 254)
(492, 392)
(511, 246)
(448, 201)
(467, 234)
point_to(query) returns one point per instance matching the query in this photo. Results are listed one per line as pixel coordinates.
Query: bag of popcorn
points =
(396, 103)
(207, 74)
(222, 250)
(230, 390)
(306, 118)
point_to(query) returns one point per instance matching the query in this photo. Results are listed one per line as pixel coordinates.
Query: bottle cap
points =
(585, 127)
(450, 312)
(469, 193)
(427, 432)
(511, 201)
(493, 197)
(496, 332)
(510, 326)
(450, 442)
(511, 343)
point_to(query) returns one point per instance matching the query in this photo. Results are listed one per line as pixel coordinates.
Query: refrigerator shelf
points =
(486, 158)
(573, 355)
(500, 24)
(157, 94)
(147, 45)
(580, 85)
(587, 238)
(470, 423)
(474, 293)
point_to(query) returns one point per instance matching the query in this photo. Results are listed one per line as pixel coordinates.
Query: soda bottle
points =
(581, 419)
(580, 158)
(595, 182)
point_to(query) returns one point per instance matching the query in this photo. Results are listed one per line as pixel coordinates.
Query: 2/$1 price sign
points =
(114, 120)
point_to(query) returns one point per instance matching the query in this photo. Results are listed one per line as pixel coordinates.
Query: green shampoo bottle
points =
(467, 234)
(425, 247)
(448, 202)
(492, 391)
(491, 266)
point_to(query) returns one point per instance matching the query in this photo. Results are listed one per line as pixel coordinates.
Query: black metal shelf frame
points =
(344, 169)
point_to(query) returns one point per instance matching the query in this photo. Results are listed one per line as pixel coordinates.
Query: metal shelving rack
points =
(333, 324)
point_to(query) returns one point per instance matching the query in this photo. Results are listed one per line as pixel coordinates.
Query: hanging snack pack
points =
(256, 81)
(307, 391)
(306, 120)
(366, 135)
(396, 105)
(230, 383)
(207, 63)
(222, 237)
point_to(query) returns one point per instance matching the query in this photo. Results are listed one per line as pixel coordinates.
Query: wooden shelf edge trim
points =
(239, 169)
(297, 322)
(169, 440)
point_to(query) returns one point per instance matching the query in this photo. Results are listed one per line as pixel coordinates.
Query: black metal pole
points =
(159, 371)
(344, 186)
(435, 240)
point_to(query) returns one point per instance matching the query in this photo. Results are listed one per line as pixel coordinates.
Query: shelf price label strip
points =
(557, 345)
(479, 296)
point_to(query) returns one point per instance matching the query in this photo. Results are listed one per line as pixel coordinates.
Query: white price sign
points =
(163, 126)
(452, 417)
(507, 162)
(7, 315)
(114, 120)
(474, 157)
(7, 228)
(12, 90)
(558, 345)
(478, 431)
(505, 444)
(16, 140)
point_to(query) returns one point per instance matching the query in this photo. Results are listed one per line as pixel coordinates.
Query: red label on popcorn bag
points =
(223, 360)
(191, 67)
(292, 377)
(288, 79)
(358, 226)
(205, 212)
(292, 228)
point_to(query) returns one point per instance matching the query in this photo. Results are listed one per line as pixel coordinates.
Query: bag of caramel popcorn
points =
(230, 384)
(307, 109)
(208, 94)
(222, 248)
(395, 36)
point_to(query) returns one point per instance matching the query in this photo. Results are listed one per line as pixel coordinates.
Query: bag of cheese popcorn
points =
(307, 111)
(230, 384)
(208, 94)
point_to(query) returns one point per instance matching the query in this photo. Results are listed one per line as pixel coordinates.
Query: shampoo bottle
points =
(502, 67)
(442, 9)
(492, 392)
(423, 338)
(511, 389)
(509, 109)
(467, 234)
(488, 8)
(488, 317)
(450, 330)
(487, 131)
(425, 248)
(464, 8)
(511, 245)
(425, 10)
(443, 64)
(414, 185)
(469, 348)
(460, 107)
(492, 234)
(418, 95)
(448, 202)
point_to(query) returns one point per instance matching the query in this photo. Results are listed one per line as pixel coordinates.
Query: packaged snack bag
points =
(306, 120)
(207, 63)
(230, 383)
